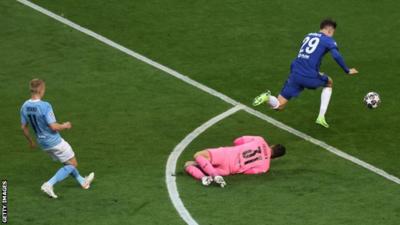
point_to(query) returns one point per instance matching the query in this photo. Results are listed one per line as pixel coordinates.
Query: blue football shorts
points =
(295, 84)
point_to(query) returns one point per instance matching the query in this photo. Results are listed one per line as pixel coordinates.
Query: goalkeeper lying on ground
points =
(249, 155)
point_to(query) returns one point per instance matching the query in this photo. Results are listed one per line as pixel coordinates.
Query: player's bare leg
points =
(282, 102)
(325, 98)
(190, 163)
(203, 153)
(72, 162)
(274, 102)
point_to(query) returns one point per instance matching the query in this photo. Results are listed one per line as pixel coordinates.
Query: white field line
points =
(129, 52)
(171, 163)
(323, 145)
(212, 92)
(174, 156)
(208, 90)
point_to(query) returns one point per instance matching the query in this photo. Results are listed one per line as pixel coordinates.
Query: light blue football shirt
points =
(39, 114)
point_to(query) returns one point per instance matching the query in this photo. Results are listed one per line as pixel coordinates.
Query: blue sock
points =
(61, 174)
(77, 176)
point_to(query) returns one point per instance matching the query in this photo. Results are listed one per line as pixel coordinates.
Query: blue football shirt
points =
(314, 47)
(39, 114)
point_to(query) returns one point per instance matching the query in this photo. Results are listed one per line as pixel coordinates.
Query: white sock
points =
(273, 102)
(325, 98)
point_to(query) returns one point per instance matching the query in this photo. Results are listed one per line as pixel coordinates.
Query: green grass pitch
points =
(128, 116)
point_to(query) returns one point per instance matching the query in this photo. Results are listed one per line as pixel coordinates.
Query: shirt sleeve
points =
(339, 59)
(23, 118)
(331, 44)
(243, 140)
(49, 115)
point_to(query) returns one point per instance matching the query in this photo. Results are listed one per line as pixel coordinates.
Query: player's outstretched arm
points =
(339, 60)
(60, 127)
(25, 130)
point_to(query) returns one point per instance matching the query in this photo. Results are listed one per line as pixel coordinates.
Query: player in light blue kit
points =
(304, 71)
(40, 116)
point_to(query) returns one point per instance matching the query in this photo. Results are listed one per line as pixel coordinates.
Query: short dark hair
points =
(328, 22)
(278, 151)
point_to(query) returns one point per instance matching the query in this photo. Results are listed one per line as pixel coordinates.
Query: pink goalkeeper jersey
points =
(250, 155)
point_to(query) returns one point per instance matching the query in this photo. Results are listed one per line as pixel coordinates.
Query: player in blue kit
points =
(304, 71)
(40, 116)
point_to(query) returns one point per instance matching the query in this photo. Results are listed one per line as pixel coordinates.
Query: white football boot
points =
(206, 180)
(220, 180)
(88, 180)
(48, 189)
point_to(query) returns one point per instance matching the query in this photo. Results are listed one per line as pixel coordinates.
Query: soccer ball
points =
(372, 100)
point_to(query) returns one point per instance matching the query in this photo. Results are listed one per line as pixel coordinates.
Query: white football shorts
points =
(61, 152)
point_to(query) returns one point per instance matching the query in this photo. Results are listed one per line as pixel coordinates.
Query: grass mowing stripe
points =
(170, 178)
(213, 92)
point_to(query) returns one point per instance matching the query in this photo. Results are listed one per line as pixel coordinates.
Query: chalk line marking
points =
(211, 91)
(173, 158)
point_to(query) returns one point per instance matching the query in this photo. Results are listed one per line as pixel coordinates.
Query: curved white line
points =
(213, 92)
(170, 178)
